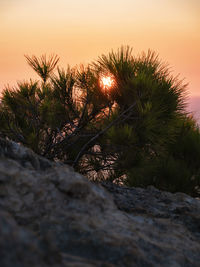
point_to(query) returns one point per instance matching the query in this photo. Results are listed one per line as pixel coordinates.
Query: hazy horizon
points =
(80, 31)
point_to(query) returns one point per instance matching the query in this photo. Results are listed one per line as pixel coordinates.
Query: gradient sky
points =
(81, 30)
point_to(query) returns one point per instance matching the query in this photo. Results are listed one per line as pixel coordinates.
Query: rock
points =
(20, 247)
(52, 216)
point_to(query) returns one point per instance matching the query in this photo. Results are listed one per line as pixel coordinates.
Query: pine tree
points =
(133, 130)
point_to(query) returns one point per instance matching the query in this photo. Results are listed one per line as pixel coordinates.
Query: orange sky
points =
(81, 30)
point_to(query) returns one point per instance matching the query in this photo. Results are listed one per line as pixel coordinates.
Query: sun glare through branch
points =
(106, 82)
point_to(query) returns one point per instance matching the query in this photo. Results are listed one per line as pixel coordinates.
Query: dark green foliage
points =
(136, 132)
(42, 66)
(54, 116)
(179, 168)
(148, 127)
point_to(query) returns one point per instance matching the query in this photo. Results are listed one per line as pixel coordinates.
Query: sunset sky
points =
(79, 31)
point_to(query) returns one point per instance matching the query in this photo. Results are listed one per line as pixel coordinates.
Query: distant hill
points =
(194, 107)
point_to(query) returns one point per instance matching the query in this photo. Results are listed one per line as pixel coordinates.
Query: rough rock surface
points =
(52, 216)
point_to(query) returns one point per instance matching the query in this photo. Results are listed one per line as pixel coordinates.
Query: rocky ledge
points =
(52, 216)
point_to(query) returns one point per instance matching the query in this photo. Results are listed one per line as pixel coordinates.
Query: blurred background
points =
(79, 31)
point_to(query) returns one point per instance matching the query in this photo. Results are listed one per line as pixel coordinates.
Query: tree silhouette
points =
(134, 132)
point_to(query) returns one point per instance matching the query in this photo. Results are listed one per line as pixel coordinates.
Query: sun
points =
(107, 82)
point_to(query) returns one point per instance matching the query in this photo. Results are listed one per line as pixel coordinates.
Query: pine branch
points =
(100, 133)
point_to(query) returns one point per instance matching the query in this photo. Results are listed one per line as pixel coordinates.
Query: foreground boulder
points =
(52, 216)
